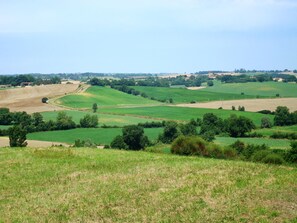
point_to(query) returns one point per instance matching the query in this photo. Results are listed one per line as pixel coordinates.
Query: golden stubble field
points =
(252, 105)
(29, 98)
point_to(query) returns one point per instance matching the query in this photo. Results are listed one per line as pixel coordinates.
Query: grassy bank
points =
(91, 185)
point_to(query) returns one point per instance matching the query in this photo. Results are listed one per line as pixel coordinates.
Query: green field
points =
(286, 129)
(97, 135)
(272, 143)
(182, 113)
(103, 96)
(104, 119)
(92, 185)
(268, 89)
(182, 95)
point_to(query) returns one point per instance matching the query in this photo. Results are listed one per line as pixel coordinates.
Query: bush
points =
(291, 156)
(134, 137)
(266, 123)
(187, 145)
(230, 153)
(170, 132)
(260, 155)
(118, 143)
(44, 100)
(273, 159)
(89, 121)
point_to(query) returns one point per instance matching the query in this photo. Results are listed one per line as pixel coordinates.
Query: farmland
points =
(269, 132)
(97, 135)
(272, 143)
(103, 96)
(183, 95)
(181, 113)
(268, 89)
(29, 98)
(104, 119)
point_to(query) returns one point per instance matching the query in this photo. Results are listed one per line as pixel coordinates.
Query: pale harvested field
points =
(4, 142)
(29, 98)
(252, 105)
(195, 88)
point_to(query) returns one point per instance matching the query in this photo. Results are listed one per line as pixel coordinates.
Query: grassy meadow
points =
(268, 89)
(272, 143)
(104, 119)
(183, 95)
(103, 96)
(96, 135)
(91, 185)
(285, 129)
(182, 113)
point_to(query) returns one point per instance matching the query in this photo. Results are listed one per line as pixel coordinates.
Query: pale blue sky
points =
(50, 36)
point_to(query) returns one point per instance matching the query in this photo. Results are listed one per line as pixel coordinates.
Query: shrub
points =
(89, 121)
(17, 136)
(187, 145)
(134, 137)
(266, 123)
(170, 132)
(260, 155)
(291, 156)
(273, 159)
(230, 153)
(118, 143)
(44, 100)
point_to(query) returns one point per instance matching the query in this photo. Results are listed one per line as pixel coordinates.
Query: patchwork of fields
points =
(103, 96)
(102, 136)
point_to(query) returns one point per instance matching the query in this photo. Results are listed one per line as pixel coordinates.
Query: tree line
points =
(24, 123)
(18, 80)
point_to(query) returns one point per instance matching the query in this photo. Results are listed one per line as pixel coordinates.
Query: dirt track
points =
(29, 98)
(249, 104)
(4, 142)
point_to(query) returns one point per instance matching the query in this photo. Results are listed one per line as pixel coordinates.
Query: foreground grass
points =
(272, 143)
(97, 135)
(85, 185)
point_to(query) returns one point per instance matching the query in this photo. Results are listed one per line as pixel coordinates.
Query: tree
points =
(134, 137)
(282, 116)
(89, 121)
(238, 126)
(210, 83)
(5, 116)
(188, 129)
(95, 107)
(17, 136)
(64, 121)
(44, 100)
(266, 123)
(118, 143)
(170, 132)
(211, 122)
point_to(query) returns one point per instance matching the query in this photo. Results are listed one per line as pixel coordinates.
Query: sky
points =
(146, 36)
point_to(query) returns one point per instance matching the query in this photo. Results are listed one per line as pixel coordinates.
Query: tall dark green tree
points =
(282, 116)
(17, 136)
(95, 107)
(239, 126)
(134, 137)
